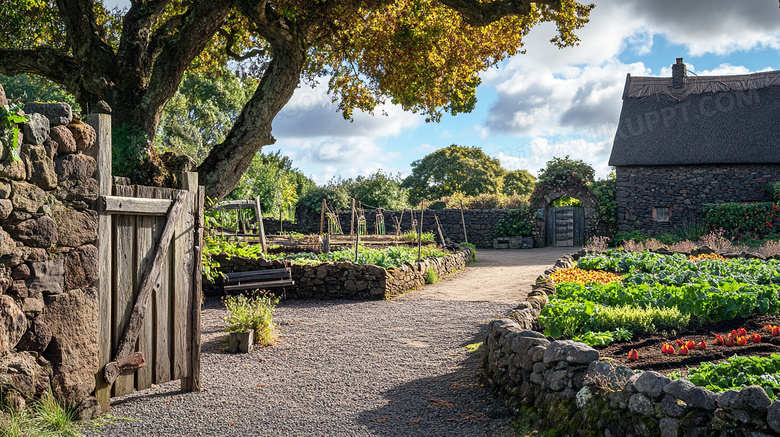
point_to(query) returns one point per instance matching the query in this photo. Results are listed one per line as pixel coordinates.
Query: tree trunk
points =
(221, 171)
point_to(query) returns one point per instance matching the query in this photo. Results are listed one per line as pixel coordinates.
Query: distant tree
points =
(378, 190)
(334, 192)
(272, 177)
(455, 169)
(32, 88)
(518, 182)
(201, 113)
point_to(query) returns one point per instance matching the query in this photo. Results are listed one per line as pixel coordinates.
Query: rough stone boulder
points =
(40, 168)
(46, 277)
(22, 376)
(13, 323)
(40, 232)
(76, 166)
(14, 170)
(27, 197)
(36, 129)
(75, 227)
(37, 337)
(73, 350)
(57, 113)
(81, 267)
(7, 245)
(85, 190)
(61, 135)
(84, 135)
(6, 206)
(570, 351)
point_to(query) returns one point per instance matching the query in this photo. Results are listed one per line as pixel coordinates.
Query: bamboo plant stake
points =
(352, 219)
(419, 234)
(322, 215)
(463, 221)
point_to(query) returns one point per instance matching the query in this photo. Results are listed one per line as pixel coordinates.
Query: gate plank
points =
(124, 283)
(192, 381)
(163, 309)
(102, 154)
(146, 238)
(183, 252)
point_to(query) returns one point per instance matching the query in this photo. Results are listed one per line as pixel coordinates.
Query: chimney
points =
(679, 73)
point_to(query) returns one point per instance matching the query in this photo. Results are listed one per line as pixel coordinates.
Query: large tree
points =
(454, 169)
(422, 54)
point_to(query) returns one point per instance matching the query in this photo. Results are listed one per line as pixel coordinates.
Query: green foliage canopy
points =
(518, 182)
(379, 190)
(454, 169)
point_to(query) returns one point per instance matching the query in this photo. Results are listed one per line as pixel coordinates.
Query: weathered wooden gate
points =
(565, 226)
(149, 290)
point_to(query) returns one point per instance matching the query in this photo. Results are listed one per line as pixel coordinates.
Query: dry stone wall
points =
(480, 223)
(576, 393)
(48, 260)
(345, 280)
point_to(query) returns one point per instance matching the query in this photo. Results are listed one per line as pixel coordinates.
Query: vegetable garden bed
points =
(658, 299)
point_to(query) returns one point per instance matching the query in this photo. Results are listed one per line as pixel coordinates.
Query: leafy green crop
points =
(596, 339)
(738, 372)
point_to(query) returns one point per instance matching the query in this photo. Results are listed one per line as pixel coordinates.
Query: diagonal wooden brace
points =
(148, 284)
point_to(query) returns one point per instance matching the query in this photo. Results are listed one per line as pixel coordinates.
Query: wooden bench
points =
(258, 279)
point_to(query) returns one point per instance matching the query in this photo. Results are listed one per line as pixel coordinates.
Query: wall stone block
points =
(75, 227)
(66, 144)
(40, 232)
(46, 277)
(76, 166)
(81, 267)
(56, 113)
(13, 323)
(36, 129)
(27, 197)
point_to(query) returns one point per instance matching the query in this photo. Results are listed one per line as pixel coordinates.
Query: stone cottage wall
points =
(480, 223)
(48, 260)
(685, 189)
(345, 280)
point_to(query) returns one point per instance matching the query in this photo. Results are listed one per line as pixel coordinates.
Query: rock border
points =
(346, 280)
(568, 388)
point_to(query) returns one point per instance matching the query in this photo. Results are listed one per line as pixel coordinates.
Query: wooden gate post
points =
(259, 216)
(101, 151)
(463, 221)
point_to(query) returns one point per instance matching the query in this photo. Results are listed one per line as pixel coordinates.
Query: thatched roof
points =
(709, 120)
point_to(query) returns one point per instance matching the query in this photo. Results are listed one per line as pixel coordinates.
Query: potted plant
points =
(250, 321)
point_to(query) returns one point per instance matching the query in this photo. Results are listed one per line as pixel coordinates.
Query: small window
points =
(661, 214)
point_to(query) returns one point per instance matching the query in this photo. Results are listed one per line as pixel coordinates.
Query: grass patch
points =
(430, 276)
(473, 251)
(44, 418)
(474, 347)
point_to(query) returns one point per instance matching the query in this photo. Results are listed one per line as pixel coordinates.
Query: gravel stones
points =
(571, 352)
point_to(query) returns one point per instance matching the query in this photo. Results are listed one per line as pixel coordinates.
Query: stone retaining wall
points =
(48, 260)
(576, 393)
(345, 280)
(480, 223)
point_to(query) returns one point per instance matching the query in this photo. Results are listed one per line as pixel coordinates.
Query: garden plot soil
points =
(651, 357)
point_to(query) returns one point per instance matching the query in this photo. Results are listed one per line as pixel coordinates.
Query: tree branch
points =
(52, 64)
(178, 49)
(478, 13)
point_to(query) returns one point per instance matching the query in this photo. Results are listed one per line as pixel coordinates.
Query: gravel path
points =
(341, 368)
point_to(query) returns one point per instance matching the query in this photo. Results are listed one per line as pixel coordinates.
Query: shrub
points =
(597, 244)
(773, 188)
(769, 248)
(514, 224)
(473, 251)
(752, 218)
(606, 206)
(254, 312)
(430, 276)
(716, 241)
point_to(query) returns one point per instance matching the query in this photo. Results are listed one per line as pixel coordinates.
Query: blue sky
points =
(547, 102)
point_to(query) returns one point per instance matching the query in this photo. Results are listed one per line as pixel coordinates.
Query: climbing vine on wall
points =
(10, 117)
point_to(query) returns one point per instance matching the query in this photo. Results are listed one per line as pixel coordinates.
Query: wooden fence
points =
(149, 288)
